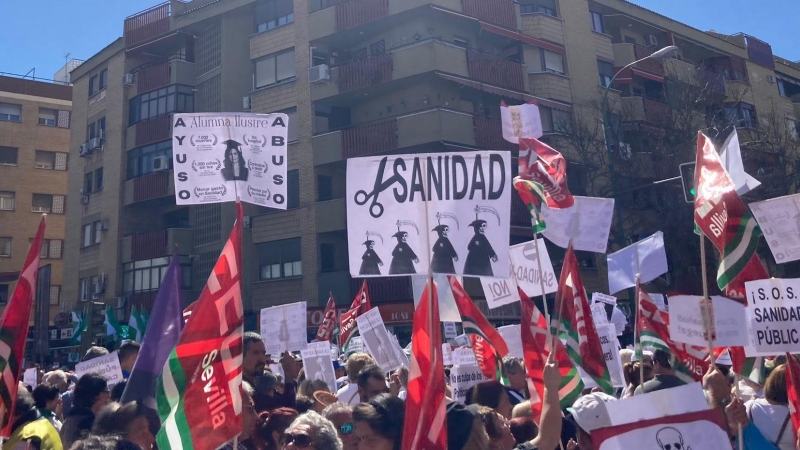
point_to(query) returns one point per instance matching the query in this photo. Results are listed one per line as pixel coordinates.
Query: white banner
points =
(462, 378)
(608, 340)
(283, 328)
(31, 377)
(107, 366)
(217, 156)
(686, 321)
(778, 219)
(587, 223)
(512, 334)
(524, 274)
(774, 315)
(646, 257)
(464, 356)
(447, 354)
(377, 340)
(317, 363)
(603, 298)
(521, 121)
(449, 211)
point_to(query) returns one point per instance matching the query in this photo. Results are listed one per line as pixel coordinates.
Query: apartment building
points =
(34, 143)
(364, 77)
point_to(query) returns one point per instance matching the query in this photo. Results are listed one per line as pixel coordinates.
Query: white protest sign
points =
(219, 156)
(317, 363)
(450, 330)
(658, 299)
(398, 350)
(774, 315)
(448, 311)
(599, 313)
(447, 355)
(462, 378)
(587, 222)
(31, 377)
(524, 274)
(521, 121)
(499, 291)
(462, 340)
(107, 366)
(608, 341)
(377, 340)
(779, 219)
(646, 257)
(463, 356)
(603, 298)
(283, 328)
(512, 334)
(356, 345)
(686, 321)
(429, 212)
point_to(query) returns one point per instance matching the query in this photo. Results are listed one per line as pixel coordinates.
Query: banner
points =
(462, 378)
(686, 321)
(439, 212)
(774, 315)
(450, 330)
(603, 298)
(317, 363)
(646, 257)
(219, 156)
(283, 328)
(377, 340)
(107, 366)
(464, 356)
(778, 219)
(587, 223)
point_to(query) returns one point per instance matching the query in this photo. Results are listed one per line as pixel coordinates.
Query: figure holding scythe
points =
(370, 259)
(443, 251)
(480, 253)
(403, 257)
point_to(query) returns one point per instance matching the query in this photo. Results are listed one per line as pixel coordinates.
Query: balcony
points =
(148, 187)
(643, 109)
(386, 290)
(156, 244)
(625, 54)
(551, 85)
(147, 25)
(175, 71)
(602, 46)
(364, 73)
(495, 70)
(333, 214)
(543, 26)
(154, 130)
(353, 13)
(498, 12)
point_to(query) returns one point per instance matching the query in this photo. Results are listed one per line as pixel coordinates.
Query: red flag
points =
(793, 391)
(199, 393)
(326, 328)
(349, 327)
(488, 345)
(424, 423)
(14, 330)
(572, 312)
(541, 163)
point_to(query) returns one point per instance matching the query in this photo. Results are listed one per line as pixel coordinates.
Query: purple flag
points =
(161, 336)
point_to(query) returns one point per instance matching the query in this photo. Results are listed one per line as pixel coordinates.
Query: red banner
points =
(349, 327)
(543, 164)
(328, 325)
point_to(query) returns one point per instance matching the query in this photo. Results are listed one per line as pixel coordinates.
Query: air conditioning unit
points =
(651, 40)
(127, 79)
(320, 73)
(84, 150)
(160, 163)
(246, 102)
(85, 199)
(95, 143)
(104, 225)
(247, 222)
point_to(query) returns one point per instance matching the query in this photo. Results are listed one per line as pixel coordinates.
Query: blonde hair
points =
(355, 363)
(478, 437)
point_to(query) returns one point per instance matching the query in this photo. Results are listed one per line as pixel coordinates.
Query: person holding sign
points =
(234, 167)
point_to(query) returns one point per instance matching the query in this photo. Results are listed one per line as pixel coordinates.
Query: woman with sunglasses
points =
(270, 427)
(311, 430)
(379, 423)
(341, 415)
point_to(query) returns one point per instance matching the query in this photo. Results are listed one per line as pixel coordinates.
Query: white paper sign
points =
(521, 121)
(658, 299)
(462, 378)
(462, 340)
(450, 330)
(356, 345)
(317, 363)
(512, 334)
(773, 316)
(449, 211)
(31, 377)
(603, 298)
(588, 222)
(599, 313)
(779, 219)
(107, 366)
(283, 328)
(377, 340)
(524, 274)
(646, 257)
(447, 354)
(464, 356)
(686, 321)
(608, 340)
(218, 156)
(448, 311)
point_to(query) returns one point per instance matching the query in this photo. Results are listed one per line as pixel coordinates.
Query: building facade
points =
(363, 77)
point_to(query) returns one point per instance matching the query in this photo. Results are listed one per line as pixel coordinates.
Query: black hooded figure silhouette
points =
(403, 258)
(370, 260)
(480, 253)
(443, 252)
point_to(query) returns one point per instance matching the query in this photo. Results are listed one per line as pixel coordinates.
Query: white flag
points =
(587, 223)
(731, 157)
(623, 265)
(521, 121)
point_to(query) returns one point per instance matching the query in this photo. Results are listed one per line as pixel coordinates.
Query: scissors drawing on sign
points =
(362, 197)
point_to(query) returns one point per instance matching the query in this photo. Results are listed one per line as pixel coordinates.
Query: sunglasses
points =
(299, 440)
(346, 428)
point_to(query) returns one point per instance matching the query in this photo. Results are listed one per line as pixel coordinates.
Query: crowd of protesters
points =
(285, 410)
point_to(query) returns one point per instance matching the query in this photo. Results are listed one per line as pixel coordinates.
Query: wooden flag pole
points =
(706, 307)
(536, 238)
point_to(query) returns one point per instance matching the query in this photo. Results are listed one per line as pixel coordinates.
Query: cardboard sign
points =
(462, 378)
(599, 314)
(429, 213)
(464, 356)
(646, 257)
(31, 377)
(604, 298)
(317, 363)
(587, 223)
(107, 366)
(779, 219)
(774, 316)
(283, 328)
(686, 321)
(378, 342)
(450, 330)
(512, 334)
(524, 272)
(218, 157)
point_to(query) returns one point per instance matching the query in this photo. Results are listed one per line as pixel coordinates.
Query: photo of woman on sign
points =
(233, 166)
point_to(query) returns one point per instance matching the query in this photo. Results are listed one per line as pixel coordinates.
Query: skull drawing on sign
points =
(670, 439)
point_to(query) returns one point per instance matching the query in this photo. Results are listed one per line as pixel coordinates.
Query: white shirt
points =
(349, 394)
(769, 420)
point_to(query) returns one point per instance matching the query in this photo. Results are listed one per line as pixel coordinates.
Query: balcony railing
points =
(369, 138)
(489, 134)
(149, 245)
(654, 66)
(152, 77)
(657, 112)
(153, 130)
(151, 186)
(364, 72)
(147, 24)
(390, 289)
(353, 13)
(495, 70)
(500, 12)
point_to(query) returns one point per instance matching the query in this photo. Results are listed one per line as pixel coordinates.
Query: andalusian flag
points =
(114, 329)
(136, 324)
(79, 322)
(533, 195)
(752, 368)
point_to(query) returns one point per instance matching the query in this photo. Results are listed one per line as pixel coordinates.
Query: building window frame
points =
(93, 85)
(56, 203)
(271, 14)
(48, 117)
(10, 112)
(605, 76)
(280, 260)
(597, 21)
(140, 159)
(547, 7)
(158, 102)
(103, 79)
(9, 156)
(151, 272)
(6, 246)
(5, 292)
(8, 200)
(275, 78)
(548, 56)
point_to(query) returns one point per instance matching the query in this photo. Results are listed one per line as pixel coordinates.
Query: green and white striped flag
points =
(79, 326)
(113, 327)
(136, 324)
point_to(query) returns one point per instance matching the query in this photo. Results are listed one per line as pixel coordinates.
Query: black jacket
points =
(77, 425)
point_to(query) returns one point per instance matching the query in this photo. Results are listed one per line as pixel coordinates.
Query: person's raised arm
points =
(550, 422)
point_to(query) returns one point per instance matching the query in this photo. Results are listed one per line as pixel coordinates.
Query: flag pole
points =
(536, 238)
(706, 307)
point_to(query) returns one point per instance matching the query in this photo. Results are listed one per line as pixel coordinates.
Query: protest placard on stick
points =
(108, 366)
(773, 312)
(283, 328)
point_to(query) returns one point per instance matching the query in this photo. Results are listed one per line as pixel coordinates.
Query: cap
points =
(459, 424)
(477, 223)
(232, 143)
(590, 411)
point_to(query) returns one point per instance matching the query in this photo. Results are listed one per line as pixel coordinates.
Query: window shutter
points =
(61, 161)
(63, 119)
(55, 248)
(58, 204)
(55, 295)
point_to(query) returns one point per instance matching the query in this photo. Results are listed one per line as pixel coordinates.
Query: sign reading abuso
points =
(218, 157)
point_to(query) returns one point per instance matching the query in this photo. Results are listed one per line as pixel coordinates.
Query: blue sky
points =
(48, 29)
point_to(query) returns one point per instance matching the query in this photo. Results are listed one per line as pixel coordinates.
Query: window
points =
(47, 203)
(103, 79)
(101, 128)
(91, 131)
(51, 248)
(606, 71)
(92, 233)
(176, 98)
(555, 121)
(10, 112)
(293, 189)
(55, 294)
(461, 41)
(88, 182)
(291, 132)
(98, 231)
(274, 69)
(86, 289)
(539, 6)
(742, 115)
(597, 22)
(98, 179)
(146, 275)
(552, 61)
(279, 259)
(87, 235)
(48, 117)
(5, 246)
(7, 201)
(45, 160)
(3, 293)
(273, 13)
(8, 156)
(93, 85)
(324, 188)
(327, 257)
(140, 159)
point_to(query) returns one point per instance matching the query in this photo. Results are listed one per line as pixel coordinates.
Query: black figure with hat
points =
(480, 253)
(370, 259)
(403, 258)
(234, 167)
(443, 251)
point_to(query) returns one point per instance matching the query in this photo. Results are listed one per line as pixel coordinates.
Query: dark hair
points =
(512, 365)
(128, 349)
(632, 371)
(775, 386)
(662, 357)
(248, 338)
(117, 390)
(114, 418)
(384, 414)
(523, 429)
(106, 442)
(487, 394)
(226, 160)
(370, 371)
(44, 393)
(94, 352)
(87, 389)
(24, 403)
(488, 416)
(304, 404)
(268, 422)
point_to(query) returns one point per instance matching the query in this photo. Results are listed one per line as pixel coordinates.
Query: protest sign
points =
(608, 341)
(221, 156)
(462, 340)
(377, 340)
(603, 298)
(773, 312)
(283, 328)
(524, 273)
(448, 212)
(646, 257)
(587, 223)
(450, 330)
(658, 299)
(447, 354)
(779, 219)
(31, 377)
(317, 363)
(356, 345)
(686, 321)
(462, 378)
(334, 351)
(520, 121)
(599, 313)
(107, 366)
(512, 334)
(448, 311)
(464, 356)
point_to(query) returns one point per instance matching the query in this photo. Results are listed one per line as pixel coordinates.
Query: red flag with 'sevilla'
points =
(14, 329)
(545, 165)
(349, 327)
(328, 325)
